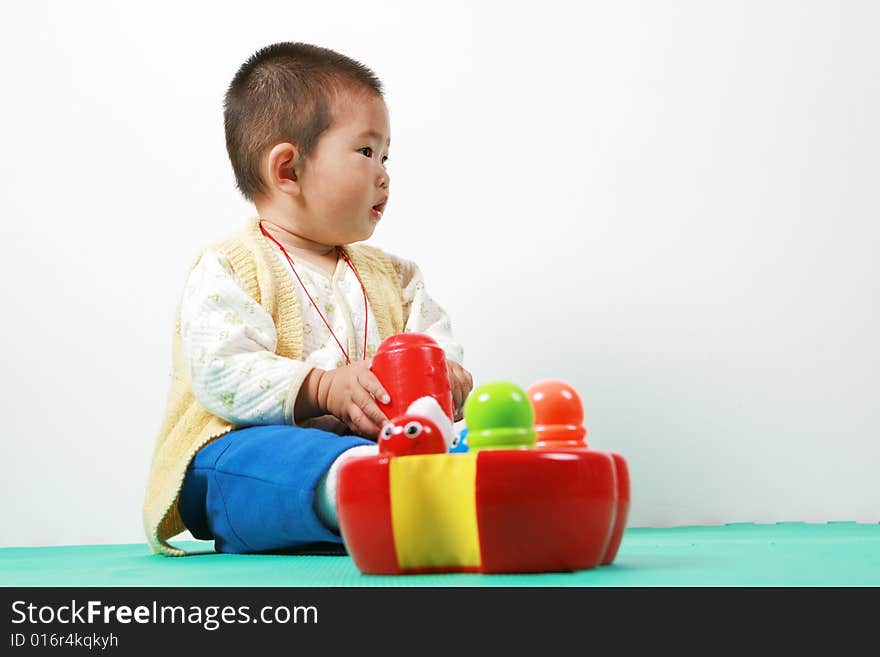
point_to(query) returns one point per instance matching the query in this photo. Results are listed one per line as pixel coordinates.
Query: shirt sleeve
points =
(422, 313)
(229, 343)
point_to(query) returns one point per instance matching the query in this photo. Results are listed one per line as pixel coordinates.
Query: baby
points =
(271, 385)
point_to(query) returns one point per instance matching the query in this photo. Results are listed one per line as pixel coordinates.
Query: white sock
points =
(325, 491)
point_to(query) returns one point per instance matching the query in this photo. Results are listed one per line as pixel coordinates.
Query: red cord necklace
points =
(345, 257)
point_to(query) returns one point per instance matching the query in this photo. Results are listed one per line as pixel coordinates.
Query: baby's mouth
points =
(379, 208)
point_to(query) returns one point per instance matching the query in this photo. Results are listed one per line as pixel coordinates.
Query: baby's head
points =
(307, 132)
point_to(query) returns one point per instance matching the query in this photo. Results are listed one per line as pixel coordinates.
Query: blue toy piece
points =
(460, 446)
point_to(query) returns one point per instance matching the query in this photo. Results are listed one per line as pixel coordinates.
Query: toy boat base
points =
(489, 511)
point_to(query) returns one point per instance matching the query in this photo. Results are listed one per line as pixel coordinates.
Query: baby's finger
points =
(456, 395)
(467, 384)
(371, 384)
(468, 381)
(360, 422)
(368, 406)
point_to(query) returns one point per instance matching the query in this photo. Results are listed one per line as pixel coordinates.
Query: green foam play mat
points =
(783, 554)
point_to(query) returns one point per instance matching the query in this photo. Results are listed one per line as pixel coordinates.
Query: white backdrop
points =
(674, 206)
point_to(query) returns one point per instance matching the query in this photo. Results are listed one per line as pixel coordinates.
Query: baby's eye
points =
(369, 153)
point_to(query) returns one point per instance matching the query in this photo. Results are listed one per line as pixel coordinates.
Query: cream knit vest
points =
(187, 426)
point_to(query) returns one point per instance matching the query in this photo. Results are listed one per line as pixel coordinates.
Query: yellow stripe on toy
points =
(434, 511)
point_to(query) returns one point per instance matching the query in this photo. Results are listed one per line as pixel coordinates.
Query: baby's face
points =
(345, 177)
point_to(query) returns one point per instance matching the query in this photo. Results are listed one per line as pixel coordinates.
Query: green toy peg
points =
(499, 415)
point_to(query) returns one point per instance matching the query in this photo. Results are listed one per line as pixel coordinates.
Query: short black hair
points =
(285, 92)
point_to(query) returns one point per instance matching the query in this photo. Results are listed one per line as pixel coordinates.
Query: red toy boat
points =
(503, 507)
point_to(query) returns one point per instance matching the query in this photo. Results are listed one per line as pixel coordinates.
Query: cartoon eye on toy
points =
(456, 439)
(387, 430)
(412, 429)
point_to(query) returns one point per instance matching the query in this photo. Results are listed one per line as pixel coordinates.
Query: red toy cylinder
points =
(411, 366)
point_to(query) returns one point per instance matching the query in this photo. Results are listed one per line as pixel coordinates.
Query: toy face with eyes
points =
(411, 434)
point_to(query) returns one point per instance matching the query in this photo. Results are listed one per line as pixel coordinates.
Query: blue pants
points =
(253, 490)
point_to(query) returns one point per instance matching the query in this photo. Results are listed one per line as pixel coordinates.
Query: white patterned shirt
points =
(229, 340)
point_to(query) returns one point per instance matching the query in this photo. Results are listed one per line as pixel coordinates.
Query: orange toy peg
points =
(559, 414)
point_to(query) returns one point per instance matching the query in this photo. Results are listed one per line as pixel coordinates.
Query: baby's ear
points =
(281, 168)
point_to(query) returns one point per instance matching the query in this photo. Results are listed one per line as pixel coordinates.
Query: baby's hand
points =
(348, 393)
(462, 383)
